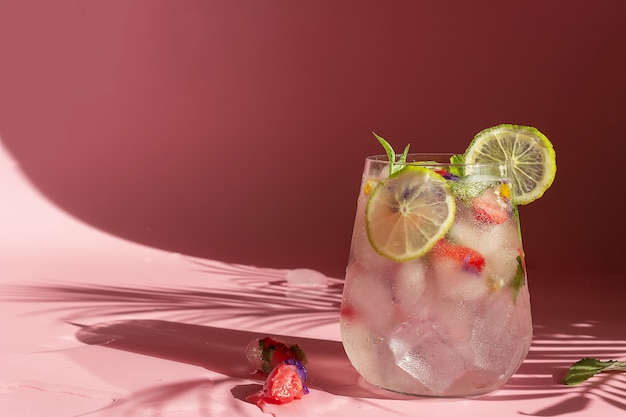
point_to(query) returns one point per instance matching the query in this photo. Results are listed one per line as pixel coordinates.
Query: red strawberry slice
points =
(285, 383)
(471, 260)
(491, 207)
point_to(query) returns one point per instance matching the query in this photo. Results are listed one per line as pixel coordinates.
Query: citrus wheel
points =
(408, 213)
(529, 151)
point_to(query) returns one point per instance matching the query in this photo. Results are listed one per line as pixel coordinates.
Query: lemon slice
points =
(408, 213)
(531, 154)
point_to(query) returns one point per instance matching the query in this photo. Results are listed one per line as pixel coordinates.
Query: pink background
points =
(236, 130)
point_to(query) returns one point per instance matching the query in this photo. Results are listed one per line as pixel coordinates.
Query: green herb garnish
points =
(588, 367)
(457, 160)
(520, 278)
(391, 154)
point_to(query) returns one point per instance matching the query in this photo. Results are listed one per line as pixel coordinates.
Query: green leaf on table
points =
(588, 367)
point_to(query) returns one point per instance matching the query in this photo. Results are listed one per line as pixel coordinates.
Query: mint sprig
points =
(520, 278)
(588, 367)
(457, 160)
(391, 154)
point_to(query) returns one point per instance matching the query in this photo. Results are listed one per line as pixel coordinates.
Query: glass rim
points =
(430, 159)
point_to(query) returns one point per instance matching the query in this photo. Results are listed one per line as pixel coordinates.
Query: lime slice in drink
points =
(408, 213)
(530, 152)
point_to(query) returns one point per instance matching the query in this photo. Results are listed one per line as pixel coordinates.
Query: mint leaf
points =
(588, 367)
(404, 154)
(457, 170)
(388, 148)
(466, 191)
(391, 154)
(519, 279)
(457, 159)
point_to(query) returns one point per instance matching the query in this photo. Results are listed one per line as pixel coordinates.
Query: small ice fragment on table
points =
(303, 277)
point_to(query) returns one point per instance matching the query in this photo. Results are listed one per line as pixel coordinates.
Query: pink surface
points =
(96, 325)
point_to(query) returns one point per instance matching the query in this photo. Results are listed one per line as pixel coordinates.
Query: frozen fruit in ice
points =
(493, 205)
(447, 174)
(285, 383)
(469, 259)
(409, 285)
(357, 301)
(266, 354)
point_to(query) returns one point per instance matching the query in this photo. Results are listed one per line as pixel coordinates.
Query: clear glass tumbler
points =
(435, 299)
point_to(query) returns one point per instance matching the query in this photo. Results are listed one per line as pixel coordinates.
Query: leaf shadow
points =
(223, 350)
(185, 332)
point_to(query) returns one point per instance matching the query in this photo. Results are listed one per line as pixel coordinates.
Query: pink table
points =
(97, 326)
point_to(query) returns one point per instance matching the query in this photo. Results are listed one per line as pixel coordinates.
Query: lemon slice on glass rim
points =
(530, 153)
(408, 213)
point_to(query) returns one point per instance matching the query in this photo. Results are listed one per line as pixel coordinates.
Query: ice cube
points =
(303, 277)
(499, 244)
(501, 267)
(501, 334)
(408, 286)
(486, 238)
(456, 283)
(426, 354)
(361, 249)
(367, 292)
(364, 347)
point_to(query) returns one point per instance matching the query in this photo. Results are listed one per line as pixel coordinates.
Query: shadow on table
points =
(571, 323)
(251, 296)
(223, 350)
(257, 295)
(550, 356)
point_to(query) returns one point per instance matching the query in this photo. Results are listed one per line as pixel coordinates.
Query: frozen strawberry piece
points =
(266, 354)
(493, 205)
(285, 383)
(347, 311)
(447, 174)
(471, 260)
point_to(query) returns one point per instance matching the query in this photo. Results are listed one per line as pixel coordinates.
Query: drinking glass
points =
(450, 318)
